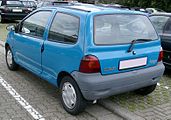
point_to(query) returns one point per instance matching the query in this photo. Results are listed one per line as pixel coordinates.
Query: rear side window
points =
(64, 28)
(122, 28)
(167, 29)
(35, 24)
(159, 22)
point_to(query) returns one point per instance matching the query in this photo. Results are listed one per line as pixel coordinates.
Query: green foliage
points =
(162, 4)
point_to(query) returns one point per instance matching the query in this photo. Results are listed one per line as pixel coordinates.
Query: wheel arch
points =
(61, 75)
(6, 46)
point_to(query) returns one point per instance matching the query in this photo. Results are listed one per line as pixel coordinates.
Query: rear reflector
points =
(89, 64)
(160, 58)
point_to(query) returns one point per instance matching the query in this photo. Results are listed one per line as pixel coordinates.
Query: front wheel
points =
(146, 90)
(10, 60)
(71, 97)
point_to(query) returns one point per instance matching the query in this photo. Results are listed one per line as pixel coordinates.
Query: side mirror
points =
(10, 28)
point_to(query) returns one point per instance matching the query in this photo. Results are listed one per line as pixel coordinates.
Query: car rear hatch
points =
(124, 42)
(15, 7)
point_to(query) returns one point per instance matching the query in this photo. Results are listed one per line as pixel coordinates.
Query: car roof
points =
(96, 9)
(161, 14)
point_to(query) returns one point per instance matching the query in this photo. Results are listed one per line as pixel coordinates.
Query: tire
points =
(146, 90)
(10, 60)
(78, 102)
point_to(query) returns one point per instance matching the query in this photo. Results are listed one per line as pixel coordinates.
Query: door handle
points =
(42, 48)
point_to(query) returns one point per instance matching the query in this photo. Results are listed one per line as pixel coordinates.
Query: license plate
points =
(132, 63)
(17, 10)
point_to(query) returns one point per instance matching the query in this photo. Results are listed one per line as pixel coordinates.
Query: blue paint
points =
(58, 57)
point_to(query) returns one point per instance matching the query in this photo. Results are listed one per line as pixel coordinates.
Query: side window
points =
(35, 24)
(159, 22)
(65, 29)
(167, 29)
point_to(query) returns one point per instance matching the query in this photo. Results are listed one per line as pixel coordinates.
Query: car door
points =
(61, 49)
(29, 40)
(166, 42)
(166, 37)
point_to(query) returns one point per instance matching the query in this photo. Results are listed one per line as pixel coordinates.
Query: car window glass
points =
(26, 3)
(0, 3)
(167, 29)
(122, 28)
(14, 3)
(64, 28)
(40, 4)
(35, 24)
(32, 4)
(159, 22)
(47, 3)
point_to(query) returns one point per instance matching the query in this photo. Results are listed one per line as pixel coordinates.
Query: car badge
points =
(133, 52)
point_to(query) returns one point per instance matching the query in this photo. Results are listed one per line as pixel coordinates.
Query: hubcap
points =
(9, 57)
(69, 95)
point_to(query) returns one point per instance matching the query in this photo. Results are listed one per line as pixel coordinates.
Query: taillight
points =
(90, 64)
(160, 58)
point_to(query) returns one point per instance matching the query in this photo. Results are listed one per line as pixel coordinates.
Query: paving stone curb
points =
(127, 115)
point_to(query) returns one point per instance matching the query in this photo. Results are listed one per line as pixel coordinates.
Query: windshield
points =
(122, 28)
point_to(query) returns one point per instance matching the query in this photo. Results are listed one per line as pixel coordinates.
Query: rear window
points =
(121, 29)
(14, 3)
(28, 4)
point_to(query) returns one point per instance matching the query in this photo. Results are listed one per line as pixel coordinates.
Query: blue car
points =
(88, 52)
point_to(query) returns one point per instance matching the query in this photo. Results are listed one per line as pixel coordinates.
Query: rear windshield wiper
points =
(135, 41)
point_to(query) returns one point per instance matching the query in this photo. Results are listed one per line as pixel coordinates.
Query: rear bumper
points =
(96, 86)
(13, 16)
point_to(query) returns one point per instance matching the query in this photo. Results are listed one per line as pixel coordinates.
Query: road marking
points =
(35, 114)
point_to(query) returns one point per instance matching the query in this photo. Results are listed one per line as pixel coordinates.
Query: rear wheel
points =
(10, 60)
(146, 90)
(71, 97)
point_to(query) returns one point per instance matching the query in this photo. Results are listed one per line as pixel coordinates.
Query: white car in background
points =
(154, 10)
